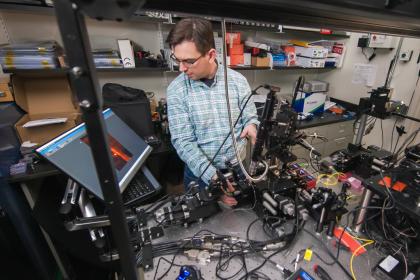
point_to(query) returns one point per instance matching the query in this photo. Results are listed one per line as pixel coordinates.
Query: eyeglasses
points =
(186, 62)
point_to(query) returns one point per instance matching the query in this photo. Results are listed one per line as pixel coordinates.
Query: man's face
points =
(192, 62)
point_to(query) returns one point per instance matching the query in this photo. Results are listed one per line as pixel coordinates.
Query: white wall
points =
(19, 27)
(403, 82)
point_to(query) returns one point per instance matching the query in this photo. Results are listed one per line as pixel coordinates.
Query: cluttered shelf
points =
(52, 71)
(238, 25)
(62, 71)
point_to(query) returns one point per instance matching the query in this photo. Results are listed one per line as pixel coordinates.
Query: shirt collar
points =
(219, 76)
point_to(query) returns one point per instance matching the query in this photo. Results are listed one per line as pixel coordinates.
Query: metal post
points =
(394, 63)
(85, 86)
(361, 130)
(361, 214)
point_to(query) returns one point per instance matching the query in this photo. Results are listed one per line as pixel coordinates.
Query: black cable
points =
(266, 259)
(220, 147)
(152, 206)
(225, 265)
(329, 253)
(414, 91)
(406, 143)
(227, 136)
(392, 135)
(359, 208)
(322, 260)
(170, 262)
(389, 70)
(258, 274)
(363, 52)
(382, 139)
(396, 143)
(178, 251)
(244, 262)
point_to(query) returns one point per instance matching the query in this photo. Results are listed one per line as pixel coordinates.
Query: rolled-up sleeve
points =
(183, 137)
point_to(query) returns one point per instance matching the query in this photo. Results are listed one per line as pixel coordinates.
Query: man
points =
(197, 109)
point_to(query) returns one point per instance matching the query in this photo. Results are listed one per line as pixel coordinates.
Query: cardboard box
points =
(260, 61)
(42, 98)
(5, 93)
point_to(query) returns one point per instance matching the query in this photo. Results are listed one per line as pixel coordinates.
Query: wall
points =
(403, 82)
(20, 27)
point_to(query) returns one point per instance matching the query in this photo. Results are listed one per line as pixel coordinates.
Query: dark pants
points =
(189, 177)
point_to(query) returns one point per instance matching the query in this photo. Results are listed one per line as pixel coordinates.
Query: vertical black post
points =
(84, 84)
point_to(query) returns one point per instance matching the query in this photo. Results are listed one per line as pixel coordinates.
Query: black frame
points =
(84, 82)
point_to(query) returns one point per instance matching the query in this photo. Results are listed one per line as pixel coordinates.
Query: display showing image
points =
(120, 154)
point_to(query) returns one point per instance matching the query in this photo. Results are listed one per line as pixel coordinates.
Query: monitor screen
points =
(70, 152)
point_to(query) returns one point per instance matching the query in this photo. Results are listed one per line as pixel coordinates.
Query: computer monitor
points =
(71, 153)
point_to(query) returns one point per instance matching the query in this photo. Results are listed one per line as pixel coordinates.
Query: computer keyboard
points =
(141, 187)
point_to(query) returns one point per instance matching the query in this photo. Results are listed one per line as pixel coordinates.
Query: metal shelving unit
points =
(63, 71)
(58, 71)
(237, 25)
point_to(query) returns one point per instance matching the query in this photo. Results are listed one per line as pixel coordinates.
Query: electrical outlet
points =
(406, 56)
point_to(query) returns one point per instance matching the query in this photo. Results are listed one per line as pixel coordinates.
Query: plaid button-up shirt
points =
(198, 119)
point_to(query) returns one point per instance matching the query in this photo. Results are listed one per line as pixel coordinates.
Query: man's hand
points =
(229, 200)
(250, 132)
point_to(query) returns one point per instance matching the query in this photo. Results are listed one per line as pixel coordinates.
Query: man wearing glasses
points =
(197, 109)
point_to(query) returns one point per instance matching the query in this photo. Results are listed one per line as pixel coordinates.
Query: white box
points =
(382, 41)
(127, 53)
(218, 44)
(310, 102)
(247, 59)
(315, 86)
(310, 62)
(219, 58)
(340, 51)
(312, 51)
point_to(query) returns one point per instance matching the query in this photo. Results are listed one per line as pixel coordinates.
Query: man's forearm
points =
(196, 160)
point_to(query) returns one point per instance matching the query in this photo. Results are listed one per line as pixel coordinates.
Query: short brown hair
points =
(195, 30)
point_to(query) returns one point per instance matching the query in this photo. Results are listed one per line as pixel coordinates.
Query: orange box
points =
(233, 38)
(235, 49)
(236, 59)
